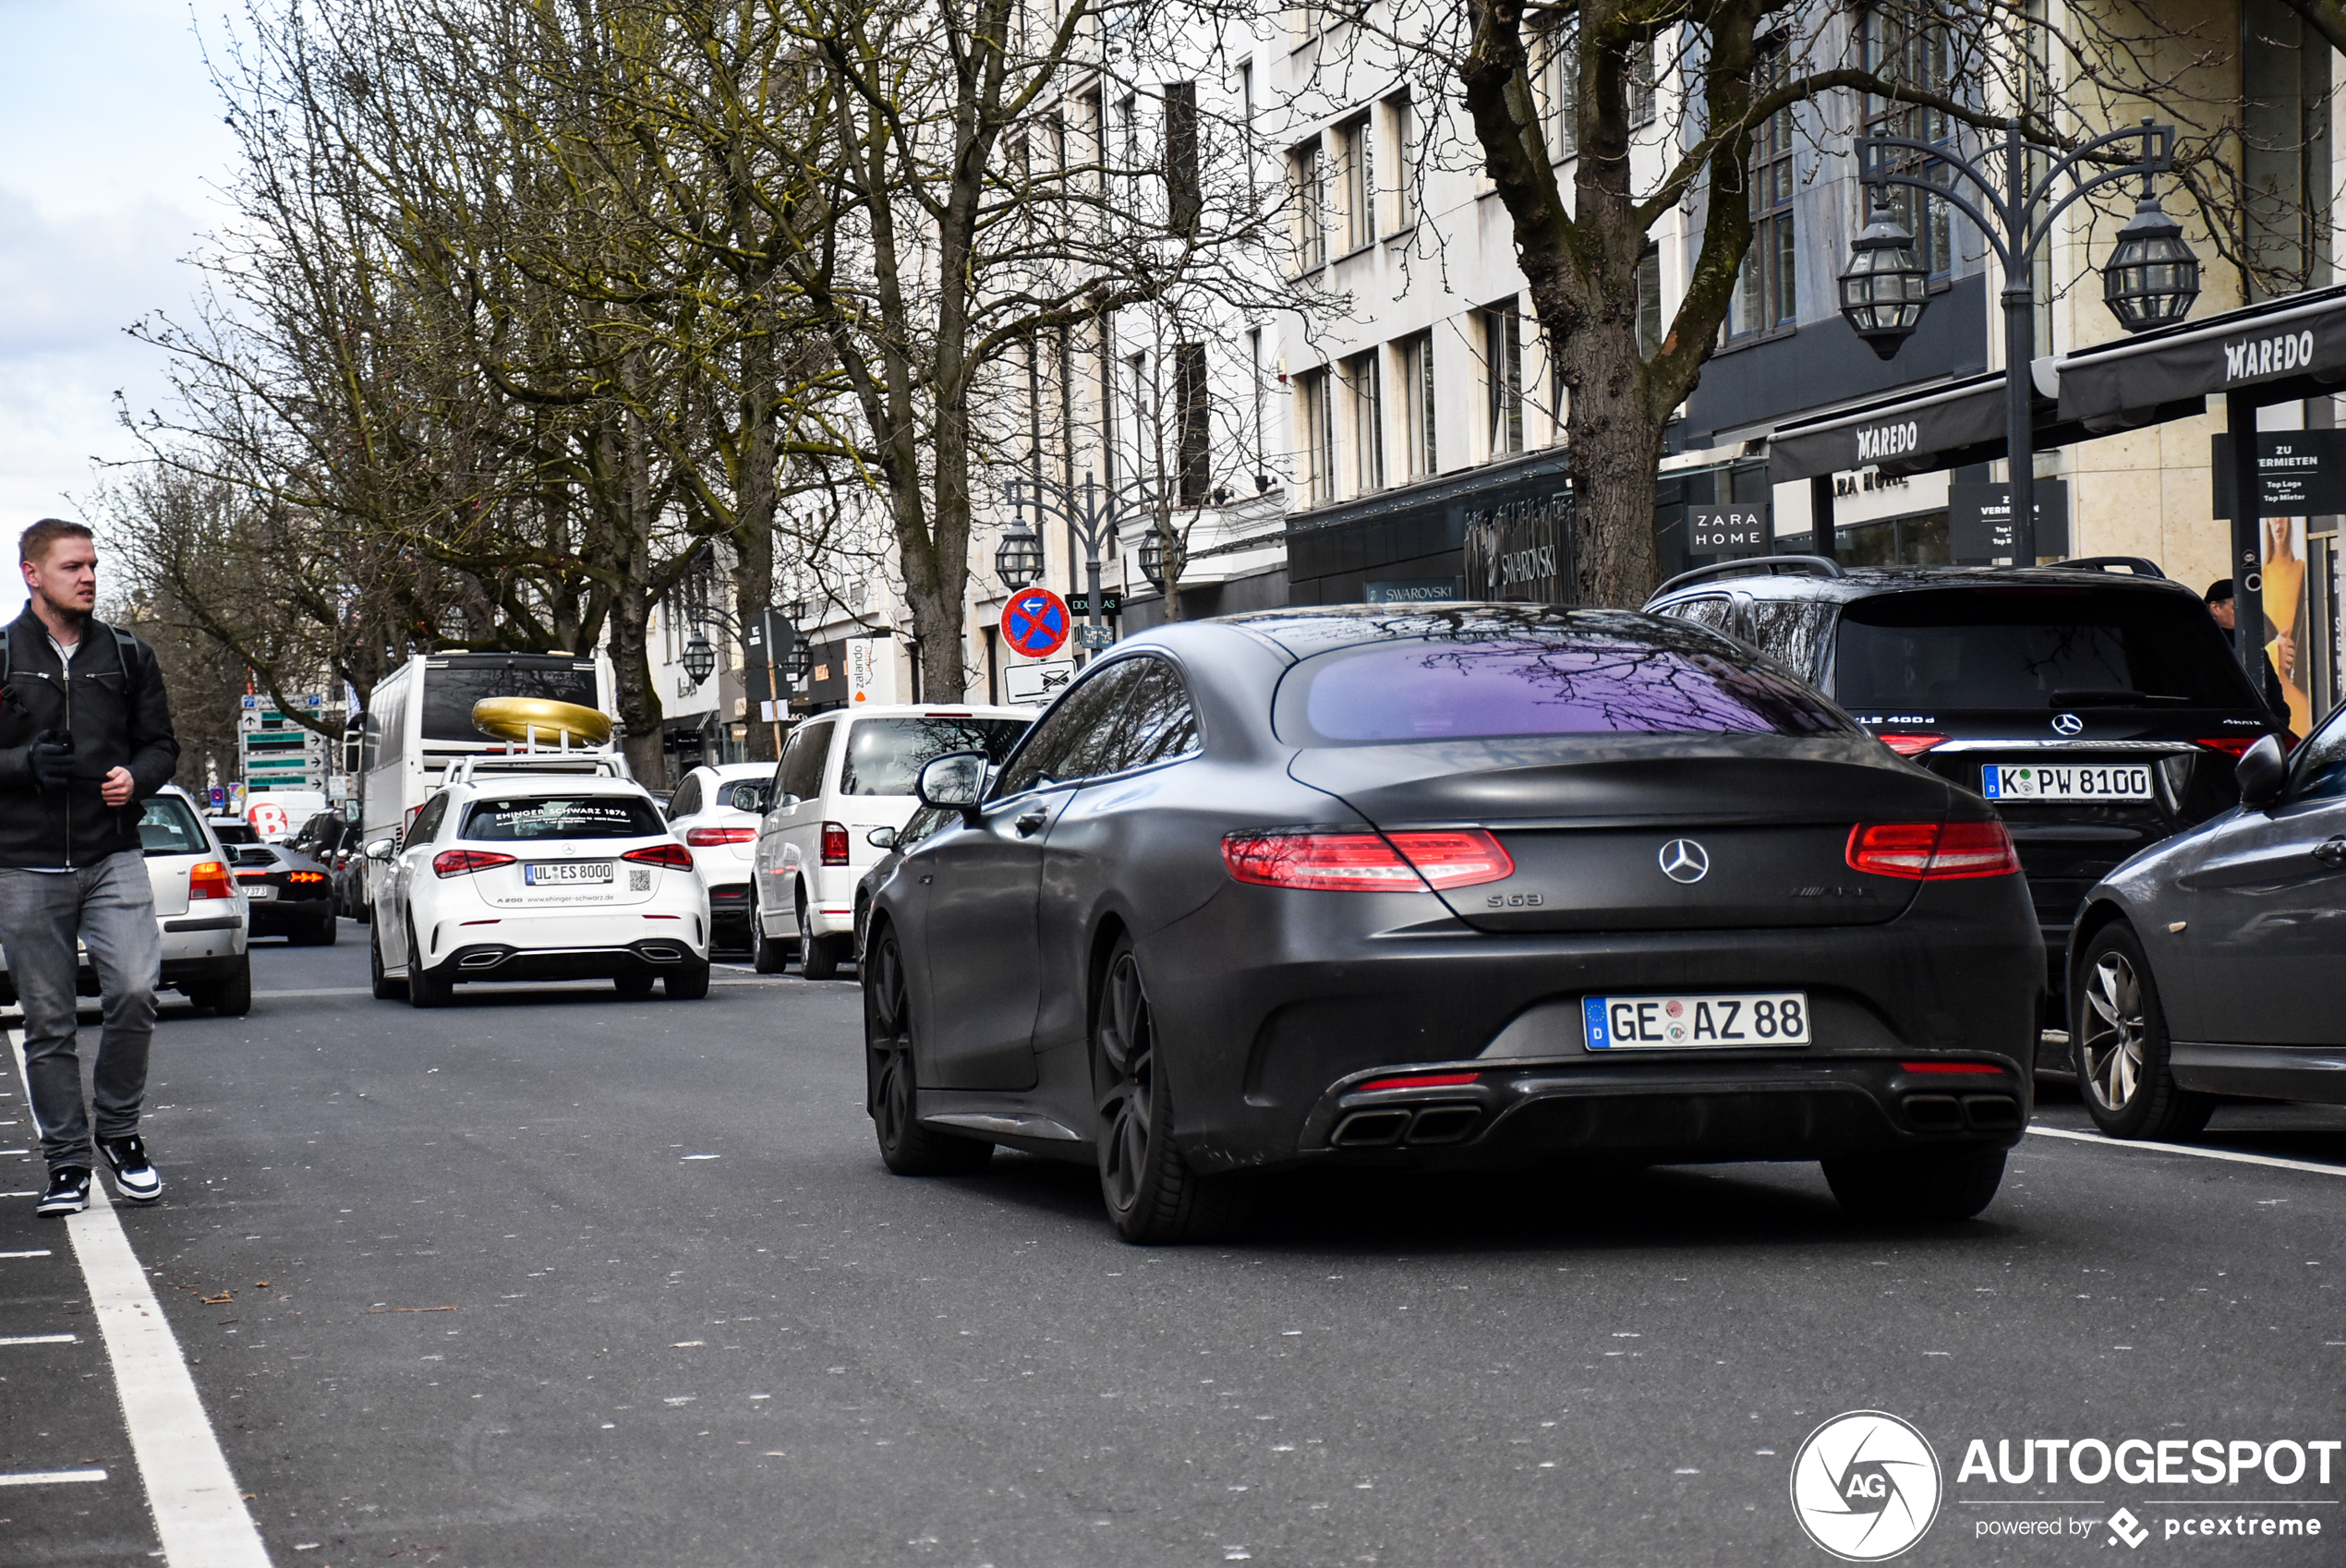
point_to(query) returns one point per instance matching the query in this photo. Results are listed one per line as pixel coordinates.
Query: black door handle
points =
(1032, 822)
(2331, 852)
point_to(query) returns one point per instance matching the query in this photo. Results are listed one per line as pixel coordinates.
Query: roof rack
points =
(592, 765)
(1804, 565)
(2132, 563)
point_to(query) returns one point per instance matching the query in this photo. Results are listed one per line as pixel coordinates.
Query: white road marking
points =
(321, 991)
(50, 1478)
(40, 1339)
(2187, 1148)
(198, 1509)
(38, 1253)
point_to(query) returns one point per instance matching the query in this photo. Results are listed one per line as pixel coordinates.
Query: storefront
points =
(1500, 532)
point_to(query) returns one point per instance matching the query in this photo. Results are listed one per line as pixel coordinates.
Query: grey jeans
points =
(111, 907)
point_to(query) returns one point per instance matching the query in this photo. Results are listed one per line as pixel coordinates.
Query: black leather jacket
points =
(74, 825)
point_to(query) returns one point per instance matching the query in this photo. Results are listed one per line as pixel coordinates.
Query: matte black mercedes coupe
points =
(1451, 885)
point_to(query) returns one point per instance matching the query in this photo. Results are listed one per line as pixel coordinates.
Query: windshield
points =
(167, 827)
(2033, 649)
(885, 756)
(450, 692)
(539, 817)
(1544, 684)
(234, 833)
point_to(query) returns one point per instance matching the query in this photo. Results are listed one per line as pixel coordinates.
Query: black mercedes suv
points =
(2094, 704)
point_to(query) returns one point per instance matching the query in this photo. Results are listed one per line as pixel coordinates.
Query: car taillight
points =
(709, 837)
(1932, 852)
(464, 862)
(1368, 863)
(834, 843)
(1967, 1069)
(672, 855)
(1910, 745)
(208, 879)
(2230, 745)
(306, 877)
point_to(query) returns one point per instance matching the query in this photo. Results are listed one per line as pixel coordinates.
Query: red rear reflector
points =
(1910, 745)
(1369, 862)
(1932, 850)
(1973, 1069)
(2230, 745)
(709, 837)
(1423, 1081)
(208, 879)
(834, 844)
(672, 855)
(464, 862)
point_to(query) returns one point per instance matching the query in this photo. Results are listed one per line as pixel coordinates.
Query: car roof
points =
(517, 783)
(1867, 582)
(928, 710)
(1305, 631)
(731, 770)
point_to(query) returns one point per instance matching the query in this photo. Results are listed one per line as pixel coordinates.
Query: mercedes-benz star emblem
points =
(2068, 723)
(1683, 860)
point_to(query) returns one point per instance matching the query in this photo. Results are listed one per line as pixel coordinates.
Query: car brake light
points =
(208, 879)
(306, 877)
(1368, 861)
(672, 855)
(464, 862)
(1934, 851)
(1910, 745)
(834, 843)
(1973, 1069)
(2230, 745)
(709, 837)
(1422, 1080)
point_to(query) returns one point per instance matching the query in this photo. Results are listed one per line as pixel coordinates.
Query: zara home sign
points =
(1728, 531)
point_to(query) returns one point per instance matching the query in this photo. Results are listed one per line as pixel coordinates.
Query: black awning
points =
(2282, 350)
(1928, 428)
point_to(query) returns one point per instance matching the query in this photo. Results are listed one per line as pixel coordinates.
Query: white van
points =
(841, 774)
(419, 718)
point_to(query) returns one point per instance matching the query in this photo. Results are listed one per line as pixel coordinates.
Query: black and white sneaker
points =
(134, 1174)
(68, 1191)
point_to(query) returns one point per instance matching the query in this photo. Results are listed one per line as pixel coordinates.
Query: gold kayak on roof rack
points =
(540, 721)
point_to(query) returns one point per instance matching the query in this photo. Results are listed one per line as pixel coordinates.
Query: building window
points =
(1246, 132)
(1898, 51)
(1310, 206)
(1418, 404)
(1313, 407)
(1254, 363)
(1193, 441)
(1559, 84)
(1649, 302)
(1765, 290)
(1407, 156)
(1641, 75)
(1357, 172)
(1503, 377)
(1184, 198)
(2285, 158)
(1362, 380)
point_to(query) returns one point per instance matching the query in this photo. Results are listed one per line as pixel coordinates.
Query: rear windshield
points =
(1541, 684)
(2033, 649)
(167, 827)
(530, 818)
(448, 694)
(234, 833)
(885, 756)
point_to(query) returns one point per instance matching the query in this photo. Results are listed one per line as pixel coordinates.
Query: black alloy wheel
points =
(890, 1080)
(1922, 1184)
(769, 955)
(424, 988)
(688, 981)
(1152, 1197)
(386, 988)
(818, 956)
(2118, 1031)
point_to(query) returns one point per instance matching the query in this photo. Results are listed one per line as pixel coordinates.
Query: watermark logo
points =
(1865, 1486)
(2124, 1526)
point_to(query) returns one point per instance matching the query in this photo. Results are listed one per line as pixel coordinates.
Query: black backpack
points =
(123, 643)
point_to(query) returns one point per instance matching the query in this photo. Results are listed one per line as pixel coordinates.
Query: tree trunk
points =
(753, 521)
(1614, 444)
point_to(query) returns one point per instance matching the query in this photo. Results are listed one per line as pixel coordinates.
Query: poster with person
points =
(2285, 609)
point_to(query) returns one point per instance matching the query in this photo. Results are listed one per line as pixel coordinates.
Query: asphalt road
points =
(556, 1279)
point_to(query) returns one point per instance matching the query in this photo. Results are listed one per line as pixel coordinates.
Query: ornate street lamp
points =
(700, 659)
(2152, 278)
(1156, 548)
(1018, 561)
(1883, 292)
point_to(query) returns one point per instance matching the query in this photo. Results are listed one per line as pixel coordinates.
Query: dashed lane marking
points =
(37, 1252)
(198, 1509)
(2232, 1156)
(40, 1339)
(49, 1478)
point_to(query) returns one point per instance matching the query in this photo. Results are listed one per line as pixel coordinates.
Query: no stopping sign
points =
(1035, 622)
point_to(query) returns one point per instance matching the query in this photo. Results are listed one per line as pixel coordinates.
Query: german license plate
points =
(259, 890)
(2065, 781)
(546, 874)
(1696, 1023)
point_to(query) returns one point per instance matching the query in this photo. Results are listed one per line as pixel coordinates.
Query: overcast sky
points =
(112, 154)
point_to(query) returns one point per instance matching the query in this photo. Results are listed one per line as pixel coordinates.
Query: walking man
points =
(85, 735)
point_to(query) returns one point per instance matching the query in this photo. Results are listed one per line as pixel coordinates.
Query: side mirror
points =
(382, 849)
(953, 782)
(744, 797)
(881, 837)
(2262, 772)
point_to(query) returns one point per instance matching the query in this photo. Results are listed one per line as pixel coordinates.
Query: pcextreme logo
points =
(1865, 1486)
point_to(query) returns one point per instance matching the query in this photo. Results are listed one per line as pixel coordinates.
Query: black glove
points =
(52, 760)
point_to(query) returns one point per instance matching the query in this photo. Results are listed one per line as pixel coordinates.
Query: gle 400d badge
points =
(1865, 1486)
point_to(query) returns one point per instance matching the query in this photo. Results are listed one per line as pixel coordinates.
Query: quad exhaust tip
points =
(1386, 1127)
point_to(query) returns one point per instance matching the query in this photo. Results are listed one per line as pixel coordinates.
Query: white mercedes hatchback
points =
(531, 873)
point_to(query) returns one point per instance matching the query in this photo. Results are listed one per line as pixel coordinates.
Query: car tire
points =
(1152, 1197)
(231, 995)
(818, 956)
(317, 933)
(424, 989)
(686, 982)
(386, 988)
(768, 955)
(1923, 1184)
(633, 985)
(891, 1084)
(2119, 1044)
